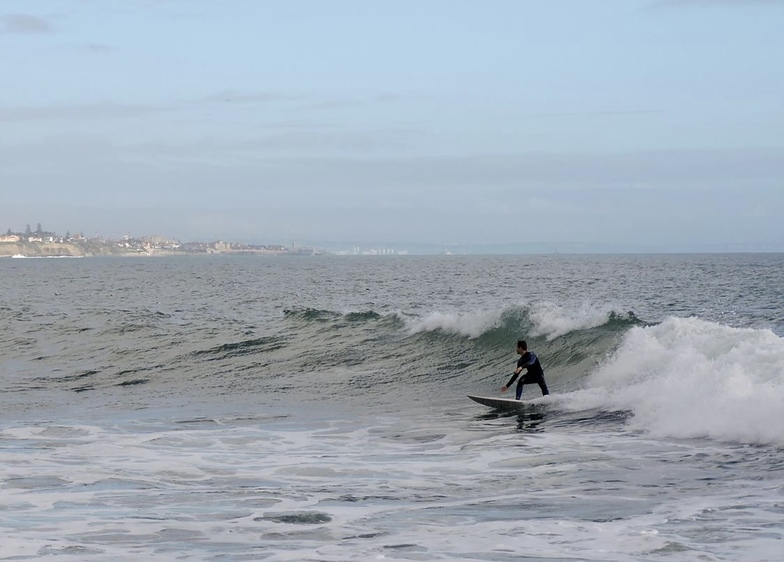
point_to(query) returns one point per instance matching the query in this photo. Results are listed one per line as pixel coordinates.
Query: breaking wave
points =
(688, 377)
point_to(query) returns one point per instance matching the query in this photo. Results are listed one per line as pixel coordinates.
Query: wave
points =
(313, 314)
(310, 314)
(245, 347)
(471, 325)
(571, 343)
(683, 377)
(688, 378)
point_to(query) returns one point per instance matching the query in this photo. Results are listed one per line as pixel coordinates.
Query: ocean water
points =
(314, 408)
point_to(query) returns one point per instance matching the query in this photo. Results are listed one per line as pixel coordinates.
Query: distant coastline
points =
(40, 243)
(47, 244)
(105, 249)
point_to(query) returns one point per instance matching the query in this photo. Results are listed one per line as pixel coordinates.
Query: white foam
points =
(552, 321)
(691, 378)
(376, 488)
(472, 325)
(548, 319)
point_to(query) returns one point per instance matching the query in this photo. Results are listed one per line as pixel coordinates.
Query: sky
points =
(612, 125)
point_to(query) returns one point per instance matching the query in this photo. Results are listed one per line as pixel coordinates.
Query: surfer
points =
(534, 372)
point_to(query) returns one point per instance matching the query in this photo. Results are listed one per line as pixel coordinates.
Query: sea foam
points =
(528, 320)
(471, 325)
(552, 321)
(691, 378)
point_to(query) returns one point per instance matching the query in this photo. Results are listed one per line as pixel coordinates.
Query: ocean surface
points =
(314, 408)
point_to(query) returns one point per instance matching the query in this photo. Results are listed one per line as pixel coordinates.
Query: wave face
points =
(567, 341)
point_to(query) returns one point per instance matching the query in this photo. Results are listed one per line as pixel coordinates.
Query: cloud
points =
(305, 101)
(97, 48)
(596, 113)
(113, 110)
(636, 170)
(343, 103)
(98, 111)
(232, 96)
(24, 24)
(711, 3)
(272, 145)
(302, 160)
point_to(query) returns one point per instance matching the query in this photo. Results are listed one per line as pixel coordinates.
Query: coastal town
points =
(43, 243)
(36, 243)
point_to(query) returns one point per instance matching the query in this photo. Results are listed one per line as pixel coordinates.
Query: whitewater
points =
(314, 408)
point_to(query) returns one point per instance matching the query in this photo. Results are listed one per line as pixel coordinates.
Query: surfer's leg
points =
(543, 386)
(519, 391)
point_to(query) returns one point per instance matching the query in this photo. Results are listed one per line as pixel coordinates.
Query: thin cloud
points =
(112, 110)
(97, 48)
(598, 113)
(85, 111)
(231, 96)
(305, 102)
(338, 103)
(273, 147)
(645, 170)
(713, 3)
(24, 24)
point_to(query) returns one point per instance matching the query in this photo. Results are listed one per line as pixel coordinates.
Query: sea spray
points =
(690, 378)
(471, 325)
(552, 320)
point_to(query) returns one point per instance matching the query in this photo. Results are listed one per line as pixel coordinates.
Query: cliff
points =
(66, 249)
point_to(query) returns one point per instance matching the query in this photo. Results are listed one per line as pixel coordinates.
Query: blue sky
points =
(640, 125)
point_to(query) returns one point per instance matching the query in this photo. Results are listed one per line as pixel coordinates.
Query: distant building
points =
(10, 238)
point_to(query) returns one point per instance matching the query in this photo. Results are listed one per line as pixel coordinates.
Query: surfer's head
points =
(521, 345)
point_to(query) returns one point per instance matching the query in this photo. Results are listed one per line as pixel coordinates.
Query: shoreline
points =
(88, 250)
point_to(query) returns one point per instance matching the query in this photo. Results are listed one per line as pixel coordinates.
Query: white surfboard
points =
(498, 403)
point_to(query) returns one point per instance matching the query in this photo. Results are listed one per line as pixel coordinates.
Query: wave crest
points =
(470, 325)
(540, 320)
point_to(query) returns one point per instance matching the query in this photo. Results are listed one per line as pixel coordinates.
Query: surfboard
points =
(498, 403)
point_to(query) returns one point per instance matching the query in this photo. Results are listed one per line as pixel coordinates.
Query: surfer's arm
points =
(514, 378)
(531, 360)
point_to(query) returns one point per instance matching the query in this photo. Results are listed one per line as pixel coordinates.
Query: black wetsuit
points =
(534, 374)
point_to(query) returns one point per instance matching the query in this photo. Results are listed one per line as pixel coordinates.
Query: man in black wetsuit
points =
(534, 373)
